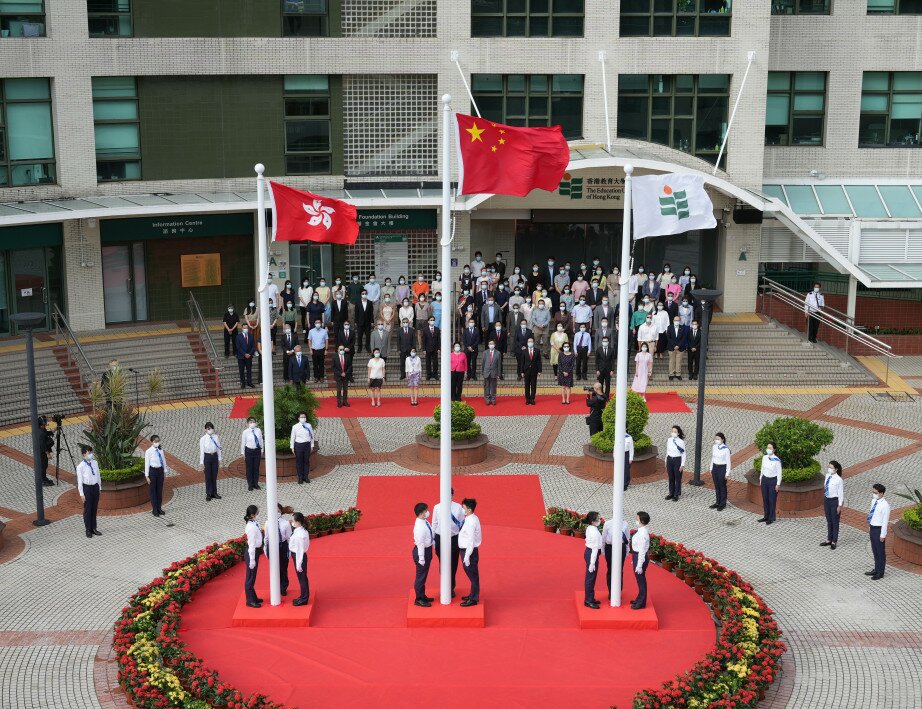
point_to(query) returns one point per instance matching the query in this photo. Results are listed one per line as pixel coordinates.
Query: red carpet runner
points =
(531, 654)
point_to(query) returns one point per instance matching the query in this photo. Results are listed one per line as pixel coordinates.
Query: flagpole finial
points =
(446, 99)
(260, 168)
(628, 169)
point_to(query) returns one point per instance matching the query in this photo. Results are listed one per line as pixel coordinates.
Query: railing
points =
(798, 295)
(837, 284)
(75, 354)
(200, 326)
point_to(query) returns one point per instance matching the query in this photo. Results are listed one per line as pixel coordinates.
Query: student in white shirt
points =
(252, 444)
(251, 556)
(593, 551)
(675, 462)
(770, 481)
(284, 536)
(297, 549)
(609, 530)
(423, 539)
(88, 484)
(878, 521)
(209, 450)
(302, 442)
(154, 473)
(456, 521)
(640, 547)
(720, 468)
(814, 302)
(628, 458)
(469, 540)
(833, 500)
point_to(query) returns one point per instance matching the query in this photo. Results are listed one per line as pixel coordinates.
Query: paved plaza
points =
(854, 643)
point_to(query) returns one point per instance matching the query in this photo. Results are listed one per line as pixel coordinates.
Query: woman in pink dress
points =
(458, 368)
(644, 362)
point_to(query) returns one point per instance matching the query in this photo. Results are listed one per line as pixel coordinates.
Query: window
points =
(675, 18)
(795, 108)
(527, 18)
(117, 128)
(25, 18)
(891, 109)
(109, 18)
(305, 18)
(532, 100)
(687, 112)
(308, 104)
(895, 7)
(800, 7)
(26, 133)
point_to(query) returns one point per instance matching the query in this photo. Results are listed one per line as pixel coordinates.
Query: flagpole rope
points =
(454, 58)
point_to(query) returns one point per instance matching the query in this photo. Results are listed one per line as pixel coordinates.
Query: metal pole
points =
(751, 56)
(706, 305)
(37, 451)
(265, 361)
(445, 366)
(617, 482)
(603, 55)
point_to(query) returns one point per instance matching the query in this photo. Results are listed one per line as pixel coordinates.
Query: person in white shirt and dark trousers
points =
(675, 462)
(469, 540)
(593, 551)
(833, 500)
(284, 536)
(251, 556)
(640, 558)
(628, 458)
(155, 472)
(88, 484)
(878, 521)
(770, 481)
(209, 448)
(812, 304)
(297, 549)
(423, 539)
(301, 443)
(721, 465)
(251, 448)
(457, 519)
(608, 540)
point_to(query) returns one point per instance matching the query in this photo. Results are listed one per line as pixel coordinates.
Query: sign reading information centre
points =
(177, 226)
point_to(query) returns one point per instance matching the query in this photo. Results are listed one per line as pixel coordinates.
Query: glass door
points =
(30, 293)
(124, 280)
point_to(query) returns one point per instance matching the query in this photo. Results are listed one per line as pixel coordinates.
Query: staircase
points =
(54, 389)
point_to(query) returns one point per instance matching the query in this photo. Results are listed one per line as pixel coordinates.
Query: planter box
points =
(284, 465)
(602, 465)
(119, 496)
(462, 452)
(793, 497)
(907, 543)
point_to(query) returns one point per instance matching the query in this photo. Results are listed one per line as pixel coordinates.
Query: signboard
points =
(391, 256)
(25, 292)
(391, 219)
(200, 270)
(176, 226)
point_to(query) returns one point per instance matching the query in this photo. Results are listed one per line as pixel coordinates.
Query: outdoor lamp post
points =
(27, 322)
(705, 296)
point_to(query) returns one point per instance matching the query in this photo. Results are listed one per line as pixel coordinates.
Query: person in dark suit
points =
(520, 338)
(230, 327)
(491, 366)
(299, 367)
(289, 340)
(364, 319)
(406, 341)
(676, 345)
(595, 294)
(339, 311)
(345, 336)
(500, 337)
(432, 343)
(531, 368)
(693, 349)
(471, 343)
(246, 348)
(550, 273)
(604, 365)
(342, 375)
(596, 401)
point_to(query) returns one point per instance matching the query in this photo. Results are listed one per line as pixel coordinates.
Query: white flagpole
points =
(445, 367)
(751, 56)
(265, 361)
(617, 493)
(603, 56)
(454, 58)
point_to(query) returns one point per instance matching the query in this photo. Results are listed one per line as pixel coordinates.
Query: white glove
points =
(638, 570)
(252, 564)
(422, 562)
(467, 562)
(299, 569)
(591, 568)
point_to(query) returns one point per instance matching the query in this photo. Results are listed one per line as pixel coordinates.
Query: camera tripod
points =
(58, 435)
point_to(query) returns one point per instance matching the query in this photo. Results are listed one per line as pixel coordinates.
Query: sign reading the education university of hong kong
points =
(177, 226)
(582, 189)
(396, 219)
(597, 188)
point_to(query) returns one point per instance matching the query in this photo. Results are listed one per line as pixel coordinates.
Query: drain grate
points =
(900, 397)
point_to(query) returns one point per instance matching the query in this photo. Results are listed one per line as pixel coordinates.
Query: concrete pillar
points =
(83, 275)
(739, 280)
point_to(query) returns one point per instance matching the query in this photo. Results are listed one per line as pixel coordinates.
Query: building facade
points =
(129, 130)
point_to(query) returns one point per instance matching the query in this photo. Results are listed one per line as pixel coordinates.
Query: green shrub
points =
(637, 416)
(797, 442)
(120, 475)
(794, 475)
(289, 401)
(913, 518)
(463, 427)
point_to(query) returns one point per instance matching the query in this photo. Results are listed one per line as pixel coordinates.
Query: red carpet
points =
(668, 402)
(358, 652)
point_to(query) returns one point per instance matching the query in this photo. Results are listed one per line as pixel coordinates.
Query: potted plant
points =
(550, 519)
(579, 528)
(797, 442)
(289, 402)
(565, 523)
(468, 444)
(907, 531)
(599, 451)
(352, 517)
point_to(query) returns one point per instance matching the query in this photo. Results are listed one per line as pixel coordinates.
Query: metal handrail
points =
(63, 331)
(198, 323)
(793, 293)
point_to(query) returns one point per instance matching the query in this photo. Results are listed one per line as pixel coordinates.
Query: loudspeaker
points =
(747, 215)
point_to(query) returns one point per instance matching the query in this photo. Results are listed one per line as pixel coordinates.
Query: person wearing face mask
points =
(720, 468)
(414, 369)
(325, 295)
(299, 367)
(770, 475)
(634, 282)
(640, 548)
(613, 287)
(675, 462)
(89, 483)
(540, 321)
(389, 289)
(603, 311)
(666, 276)
(275, 320)
(251, 318)
(692, 284)
(814, 302)
(354, 291)
(407, 312)
(566, 299)
(423, 539)
(661, 323)
(376, 376)
(591, 291)
(345, 337)
(469, 540)
(305, 293)
(651, 288)
(531, 368)
(254, 535)
(402, 292)
(387, 314)
(676, 345)
(290, 316)
(246, 348)
(672, 306)
(154, 472)
(638, 318)
(406, 341)
(458, 368)
(315, 311)
(643, 364)
(550, 272)
(287, 296)
(489, 314)
(558, 339)
(582, 313)
(466, 279)
(582, 343)
(499, 336)
(251, 448)
(686, 312)
(565, 319)
(833, 501)
(432, 345)
(422, 312)
(364, 317)
(231, 325)
(604, 330)
(470, 340)
(297, 551)
(289, 340)
(685, 278)
(338, 287)
(562, 280)
(521, 334)
(647, 335)
(693, 350)
(491, 367)
(209, 450)
(478, 264)
(342, 374)
(592, 553)
(437, 310)
(673, 288)
(436, 287)
(373, 289)
(339, 311)
(317, 339)
(284, 535)
(605, 360)
(596, 401)
(381, 340)
(534, 278)
(301, 442)
(878, 522)
(611, 532)
(517, 280)
(421, 287)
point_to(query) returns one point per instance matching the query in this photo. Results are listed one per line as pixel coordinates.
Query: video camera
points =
(58, 419)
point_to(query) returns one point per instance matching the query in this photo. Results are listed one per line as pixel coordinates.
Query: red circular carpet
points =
(358, 652)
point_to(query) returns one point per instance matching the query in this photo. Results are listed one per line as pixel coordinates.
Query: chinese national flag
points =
(302, 216)
(498, 159)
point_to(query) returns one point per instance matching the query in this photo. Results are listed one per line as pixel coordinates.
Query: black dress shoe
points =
(155, 513)
(870, 573)
(464, 598)
(217, 497)
(284, 593)
(771, 521)
(637, 608)
(250, 604)
(876, 577)
(832, 546)
(471, 602)
(592, 604)
(338, 405)
(346, 404)
(97, 533)
(257, 487)
(249, 488)
(825, 544)
(675, 498)
(300, 482)
(298, 602)
(714, 506)
(422, 603)
(259, 600)
(429, 598)
(668, 497)
(207, 498)
(89, 535)
(762, 519)
(721, 508)
(307, 480)
(161, 512)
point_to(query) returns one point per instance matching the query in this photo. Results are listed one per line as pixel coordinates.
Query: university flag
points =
(670, 204)
(498, 159)
(303, 216)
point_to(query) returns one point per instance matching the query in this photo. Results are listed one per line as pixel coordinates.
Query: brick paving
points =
(855, 643)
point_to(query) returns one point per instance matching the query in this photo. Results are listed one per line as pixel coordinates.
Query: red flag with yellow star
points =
(498, 159)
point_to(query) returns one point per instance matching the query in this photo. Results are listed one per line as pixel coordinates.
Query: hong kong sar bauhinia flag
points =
(498, 159)
(303, 216)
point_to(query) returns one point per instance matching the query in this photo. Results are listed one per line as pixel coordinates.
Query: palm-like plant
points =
(115, 425)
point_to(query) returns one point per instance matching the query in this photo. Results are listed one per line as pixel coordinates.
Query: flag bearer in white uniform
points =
(297, 548)
(302, 442)
(591, 555)
(251, 556)
(720, 468)
(88, 484)
(469, 541)
(640, 558)
(833, 500)
(284, 536)
(609, 532)
(209, 449)
(457, 519)
(423, 539)
(770, 480)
